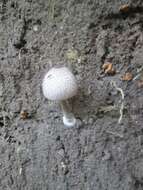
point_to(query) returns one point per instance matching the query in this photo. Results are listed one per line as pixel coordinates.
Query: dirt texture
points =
(105, 152)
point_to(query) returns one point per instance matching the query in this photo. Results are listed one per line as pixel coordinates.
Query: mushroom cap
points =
(59, 84)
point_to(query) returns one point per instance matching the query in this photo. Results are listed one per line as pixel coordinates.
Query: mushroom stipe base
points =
(69, 122)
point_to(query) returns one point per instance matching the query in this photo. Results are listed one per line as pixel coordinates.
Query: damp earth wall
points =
(36, 151)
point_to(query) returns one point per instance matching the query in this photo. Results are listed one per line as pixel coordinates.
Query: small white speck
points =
(79, 60)
(63, 165)
(35, 28)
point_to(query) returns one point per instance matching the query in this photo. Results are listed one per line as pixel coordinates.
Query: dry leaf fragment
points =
(124, 8)
(23, 115)
(127, 77)
(108, 68)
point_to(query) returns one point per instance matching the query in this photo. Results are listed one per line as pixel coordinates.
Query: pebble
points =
(106, 156)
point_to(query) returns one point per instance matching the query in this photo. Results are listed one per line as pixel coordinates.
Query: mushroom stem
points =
(69, 119)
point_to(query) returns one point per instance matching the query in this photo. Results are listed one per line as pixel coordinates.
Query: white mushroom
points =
(60, 84)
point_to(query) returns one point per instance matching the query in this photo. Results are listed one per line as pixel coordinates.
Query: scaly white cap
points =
(59, 84)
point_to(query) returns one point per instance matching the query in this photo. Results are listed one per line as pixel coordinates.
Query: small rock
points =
(106, 155)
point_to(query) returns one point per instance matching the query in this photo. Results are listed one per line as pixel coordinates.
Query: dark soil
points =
(38, 152)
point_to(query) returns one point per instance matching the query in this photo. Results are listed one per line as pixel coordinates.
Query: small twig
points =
(115, 134)
(137, 76)
(107, 108)
(118, 89)
(121, 112)
(140, 69)
(122, 104)
(51, 8)
(19, 54)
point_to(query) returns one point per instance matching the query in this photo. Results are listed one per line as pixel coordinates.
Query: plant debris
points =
(124, 8)
(122, 100)
(127, 77)
(108, 68)
(107, 108)
(115, 134)
(24, 115)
